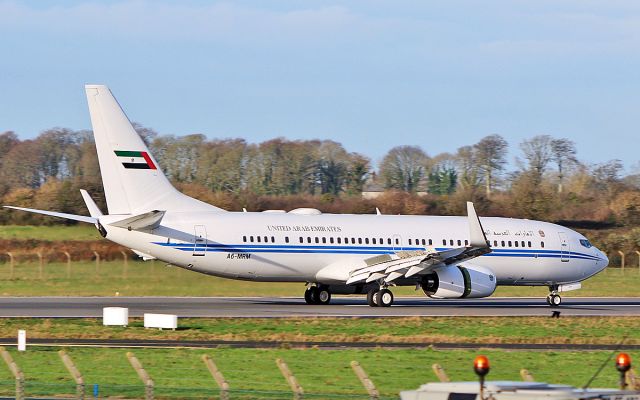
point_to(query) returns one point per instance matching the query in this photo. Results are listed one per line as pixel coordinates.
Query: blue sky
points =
(371, 74)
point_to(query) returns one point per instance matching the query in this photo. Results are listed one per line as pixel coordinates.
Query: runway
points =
(272, 307)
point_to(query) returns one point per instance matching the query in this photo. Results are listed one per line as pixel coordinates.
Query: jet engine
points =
(457, 281)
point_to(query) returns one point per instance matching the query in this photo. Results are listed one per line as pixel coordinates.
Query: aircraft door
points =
(565, 248)
(199, 240)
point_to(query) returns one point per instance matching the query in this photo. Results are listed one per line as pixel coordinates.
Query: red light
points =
(481, 365)
(623, 362)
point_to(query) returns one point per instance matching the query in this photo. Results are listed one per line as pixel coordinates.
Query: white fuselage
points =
(274, 246)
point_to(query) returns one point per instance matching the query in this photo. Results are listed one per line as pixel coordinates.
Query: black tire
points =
(371, 297)
(555, 300)
(323, 296)
(384, 298)
(549, 300)
(311, 295)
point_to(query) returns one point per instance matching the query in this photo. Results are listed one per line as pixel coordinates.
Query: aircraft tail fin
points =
(133, 182)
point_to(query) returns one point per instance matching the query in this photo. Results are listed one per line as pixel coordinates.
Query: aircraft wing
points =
(389, 267)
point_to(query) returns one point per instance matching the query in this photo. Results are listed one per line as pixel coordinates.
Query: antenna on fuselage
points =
(378, 211)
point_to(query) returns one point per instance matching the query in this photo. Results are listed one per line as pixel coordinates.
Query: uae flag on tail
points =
(135, 159)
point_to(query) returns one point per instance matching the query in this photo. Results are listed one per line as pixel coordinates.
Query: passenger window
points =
(301, 239)
(308, 239)
(409, 242)
(324, 239)
(339, 240)
(366, 240)
(286, 239)
(495, 243)
(331, 240)
(444, 242)
(353, 240)
(424, 242)
(529, 243)
(389, 241)
(542, 244)
(381, 241)
(509, 243)
(258, 237)
(397, 241)
(459, 242)
(244, 239)
(450, 242)
(251, 239)
(502, 243)
(317, 240)
(374, 240)
(273, 239)
(430, 242)
(359, 240)
(516, 243)
(466, 242)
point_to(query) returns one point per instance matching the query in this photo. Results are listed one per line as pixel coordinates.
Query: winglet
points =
(476, 232)
(94, 211)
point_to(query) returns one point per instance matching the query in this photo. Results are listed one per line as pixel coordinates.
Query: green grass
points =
(181, 372)
(586, 330)
(54, 232)
(155, 279)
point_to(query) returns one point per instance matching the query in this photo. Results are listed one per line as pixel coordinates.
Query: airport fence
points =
(198, 381)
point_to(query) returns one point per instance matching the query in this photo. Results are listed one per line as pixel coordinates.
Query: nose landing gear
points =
(554, 299)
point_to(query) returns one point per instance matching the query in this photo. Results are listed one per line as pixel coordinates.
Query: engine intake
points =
(456, 281)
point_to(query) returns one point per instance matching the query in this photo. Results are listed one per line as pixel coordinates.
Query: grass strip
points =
(578, 330)
(181, 372)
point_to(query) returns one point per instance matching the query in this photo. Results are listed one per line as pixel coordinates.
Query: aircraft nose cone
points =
(603, 260)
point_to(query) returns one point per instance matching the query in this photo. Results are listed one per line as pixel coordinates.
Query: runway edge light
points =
(623, 364)
(481, 368)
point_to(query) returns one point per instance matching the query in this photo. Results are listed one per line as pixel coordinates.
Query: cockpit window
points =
(585, 243)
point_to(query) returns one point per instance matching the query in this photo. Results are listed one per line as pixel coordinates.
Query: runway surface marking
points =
(272, 307)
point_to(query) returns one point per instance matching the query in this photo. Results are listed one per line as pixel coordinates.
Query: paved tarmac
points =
(261, 307)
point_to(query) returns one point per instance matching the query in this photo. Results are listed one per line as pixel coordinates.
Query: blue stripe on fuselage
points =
(302, 249)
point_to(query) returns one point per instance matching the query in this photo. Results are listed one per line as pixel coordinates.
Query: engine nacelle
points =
(456, 281)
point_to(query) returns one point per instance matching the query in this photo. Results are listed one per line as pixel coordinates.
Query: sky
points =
(370, 74)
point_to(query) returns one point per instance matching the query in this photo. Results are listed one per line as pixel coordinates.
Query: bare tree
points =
(467, 166)
(538, 153)
(404, 167)
(491, 156)
(563, 153)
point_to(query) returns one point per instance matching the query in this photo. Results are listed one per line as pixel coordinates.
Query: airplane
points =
(448, 257)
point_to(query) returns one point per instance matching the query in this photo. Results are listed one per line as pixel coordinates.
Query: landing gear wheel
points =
(323, 296)
(384, 298)
(555, 300)
(311, 295)
(372, 296)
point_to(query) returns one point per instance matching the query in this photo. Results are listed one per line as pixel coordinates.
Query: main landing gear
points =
(554, 299)
(317, 295)
(380, 297)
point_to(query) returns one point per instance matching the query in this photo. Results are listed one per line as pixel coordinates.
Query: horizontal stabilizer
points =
(145, 221)
(73, 217)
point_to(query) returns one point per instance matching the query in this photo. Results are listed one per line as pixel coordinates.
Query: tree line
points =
(547, 180)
